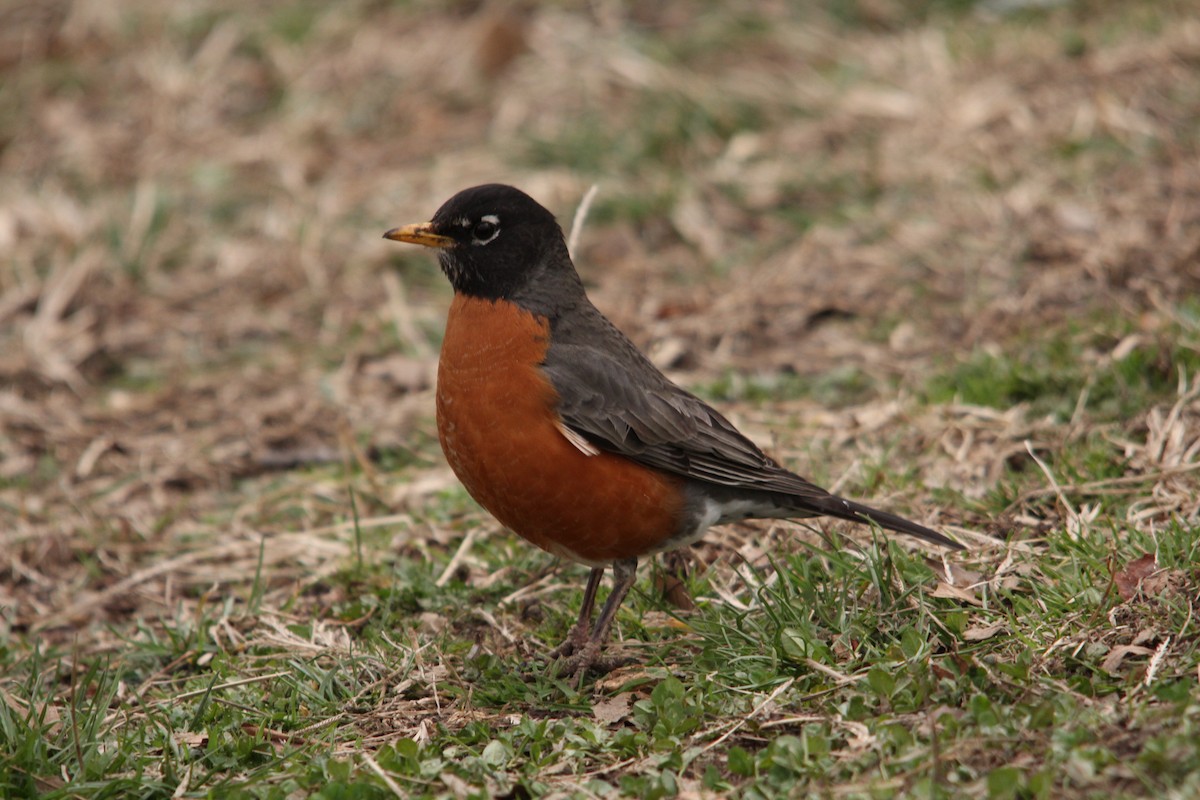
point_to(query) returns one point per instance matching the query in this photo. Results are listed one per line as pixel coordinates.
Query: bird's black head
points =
(492, 240)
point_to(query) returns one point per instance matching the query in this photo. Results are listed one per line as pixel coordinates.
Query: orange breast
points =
(496, 421)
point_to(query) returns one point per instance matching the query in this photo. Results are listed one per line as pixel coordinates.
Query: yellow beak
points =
(421, 233)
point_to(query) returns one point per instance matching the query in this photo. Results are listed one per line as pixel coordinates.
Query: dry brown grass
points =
(194, 298)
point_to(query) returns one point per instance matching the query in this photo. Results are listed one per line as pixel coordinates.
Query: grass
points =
(932, 254)
(834, 669)
(1106, 374)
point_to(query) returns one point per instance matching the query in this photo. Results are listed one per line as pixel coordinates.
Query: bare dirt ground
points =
(205, 342)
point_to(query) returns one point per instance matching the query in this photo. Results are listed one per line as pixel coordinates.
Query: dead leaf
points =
(1160, 581)
(193, 741)
(675, 592)
(457, 786)
(1112, 661)
(1133, 577)
(1145, 635)
(47, 712)
(431, 622)
(977, 633)
(951, 592)
(663, 620)
(624, 676)
(613, 709)
(1010, 583)
(954, 574)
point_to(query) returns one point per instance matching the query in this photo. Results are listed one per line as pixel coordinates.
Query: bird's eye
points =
(485, 230)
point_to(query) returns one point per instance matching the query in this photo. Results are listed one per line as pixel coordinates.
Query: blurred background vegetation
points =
(942, 254)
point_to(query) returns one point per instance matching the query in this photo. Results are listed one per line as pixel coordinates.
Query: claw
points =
(581, 650)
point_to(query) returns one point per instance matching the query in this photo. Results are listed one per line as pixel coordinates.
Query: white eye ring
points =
(487, 229)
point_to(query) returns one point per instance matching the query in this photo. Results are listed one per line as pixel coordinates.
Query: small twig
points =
(777, 723)
(383, 776)
(144, 686)
(1107, 483)
(581, 213)
(490, 619)
(832, 673)
(87, 604)
(301, 734)
(1077, 523)
(365, 523)
(543, 585)
(230, 685)
(185, 781)
(783, 687)
(1050, 477)
(461, 553)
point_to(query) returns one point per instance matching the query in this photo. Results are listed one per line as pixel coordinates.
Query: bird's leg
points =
(588, 655)
(578, 636)
(624, 574)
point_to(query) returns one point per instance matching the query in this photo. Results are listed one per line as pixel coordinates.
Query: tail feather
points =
(834, 506)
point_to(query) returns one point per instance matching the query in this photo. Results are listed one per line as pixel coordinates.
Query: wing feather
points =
(611, 396)
(645, 417)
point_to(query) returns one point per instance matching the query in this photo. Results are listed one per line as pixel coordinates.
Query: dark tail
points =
(834, 506)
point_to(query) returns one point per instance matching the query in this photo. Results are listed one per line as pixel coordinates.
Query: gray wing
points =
(626, 406)
(611, 395)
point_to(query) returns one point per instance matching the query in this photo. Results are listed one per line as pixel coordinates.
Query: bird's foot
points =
(575, 642)
(580, 654)
(586, 658)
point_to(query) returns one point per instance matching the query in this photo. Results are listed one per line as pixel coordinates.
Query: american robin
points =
(562, 429)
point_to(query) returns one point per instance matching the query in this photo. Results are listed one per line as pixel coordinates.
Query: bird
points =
(562, 429)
